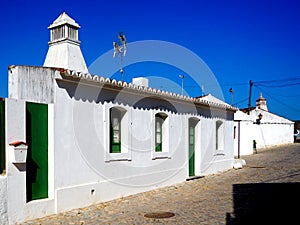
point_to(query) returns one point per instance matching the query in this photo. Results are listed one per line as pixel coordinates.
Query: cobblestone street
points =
(265, 186)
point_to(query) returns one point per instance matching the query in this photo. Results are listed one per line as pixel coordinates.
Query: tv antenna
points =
(202, 90)
(120, 49)
(182, 82)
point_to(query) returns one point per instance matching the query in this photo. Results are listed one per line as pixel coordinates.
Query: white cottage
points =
(258, 128)
(91, 139)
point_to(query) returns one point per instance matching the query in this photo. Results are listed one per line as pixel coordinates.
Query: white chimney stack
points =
(64, 46)
(140, 81)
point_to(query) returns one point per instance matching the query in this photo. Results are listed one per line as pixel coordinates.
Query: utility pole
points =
(250, 93)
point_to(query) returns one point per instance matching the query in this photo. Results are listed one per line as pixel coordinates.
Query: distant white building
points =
(258, 124)
(243, 134)
(91, 139)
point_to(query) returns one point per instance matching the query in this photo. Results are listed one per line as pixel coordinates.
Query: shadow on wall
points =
(82, 90)
(265, 203)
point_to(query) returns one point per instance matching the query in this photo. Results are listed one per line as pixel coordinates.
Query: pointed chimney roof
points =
(261, 103)
(62, 20)
(261, 97)
(64, 28)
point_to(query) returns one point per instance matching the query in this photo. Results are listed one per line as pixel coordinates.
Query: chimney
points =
(140, 81)
(261, 103)
(64, 46)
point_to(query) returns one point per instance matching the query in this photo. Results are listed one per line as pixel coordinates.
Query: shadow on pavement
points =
(265, 203)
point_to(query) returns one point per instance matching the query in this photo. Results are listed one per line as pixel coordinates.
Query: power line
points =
(276, 81)
(241, 101)
(287, 96)
(234, 85)
(282, 103)
(281, 85)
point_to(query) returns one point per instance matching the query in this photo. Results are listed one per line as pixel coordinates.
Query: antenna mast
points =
(120, 49)
(182, 83)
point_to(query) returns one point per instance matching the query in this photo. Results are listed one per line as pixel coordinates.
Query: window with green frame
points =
(115, 130)
(159, 120)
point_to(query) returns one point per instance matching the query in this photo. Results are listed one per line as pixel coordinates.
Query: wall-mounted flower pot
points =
(20, 151)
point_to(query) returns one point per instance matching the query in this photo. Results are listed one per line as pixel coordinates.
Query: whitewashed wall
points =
(213, 161)
(3, 200)
(246, 138)
(267, 135)
(273, 130)
(81, 170)
(31, 83)
(86, 172)
(83, 165)
(244, 129)
(17, 208)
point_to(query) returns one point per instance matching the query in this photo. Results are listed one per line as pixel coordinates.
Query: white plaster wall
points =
(246, 138)
(17, 208)
(81, 166)
(267, 135)
(3, 200)
(16, 178)
(273, 129)
(51, 160)
(245, 132)
(80, 173)
(30, 83)
(213, 161)
(71, 146)
(85, 175)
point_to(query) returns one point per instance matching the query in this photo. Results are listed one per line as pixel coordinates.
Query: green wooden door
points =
(37, 155)
(191, 149)
(2, 135)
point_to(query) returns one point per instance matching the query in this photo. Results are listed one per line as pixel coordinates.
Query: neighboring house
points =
(259, 125)
(91, 139)
(243, 136)
(297, 131)
(297, 124)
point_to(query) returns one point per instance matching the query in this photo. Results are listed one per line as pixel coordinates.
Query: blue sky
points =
(238, 40)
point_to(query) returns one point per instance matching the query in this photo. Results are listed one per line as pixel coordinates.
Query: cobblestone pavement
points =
(230, 197)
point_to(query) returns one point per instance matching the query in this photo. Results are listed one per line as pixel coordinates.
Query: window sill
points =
(117, 157)
(161, 155)
(219, 152)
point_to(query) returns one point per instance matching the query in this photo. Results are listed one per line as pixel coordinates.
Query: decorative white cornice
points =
(64, 40)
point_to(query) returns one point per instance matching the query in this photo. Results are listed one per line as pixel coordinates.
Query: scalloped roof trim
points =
(210, 101)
